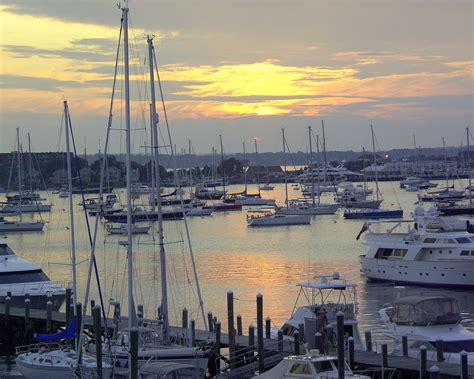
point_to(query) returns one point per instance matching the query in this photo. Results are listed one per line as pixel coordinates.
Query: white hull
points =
(123, 230)
(279, 220)
(318, 209)
(21, 226)
(255, 202)
(199, 212)
(431, 273)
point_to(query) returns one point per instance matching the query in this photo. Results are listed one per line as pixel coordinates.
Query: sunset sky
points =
(245, 69)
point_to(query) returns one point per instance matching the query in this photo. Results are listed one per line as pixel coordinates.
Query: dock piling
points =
(280, 340)
(301, 330)
(423, 364)
(230, 326)
(464, 370)
(133, 353)
(192, 326)
(318, 342)
(268, 328)
(98, 338)
(68, 306)
(405, 346)
(261, 364)
(49, 313)
(239, 325)
(92, 305)
(439, 350)
(340, 345)
(434, 372)
(140, 313)
(384, 356)
(210, 323)
(217, 327)
(296, 337)
(252, 336)
(368, 340)
(184, 323)
(27, 315)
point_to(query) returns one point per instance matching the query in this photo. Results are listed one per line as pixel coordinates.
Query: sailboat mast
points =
(317, 163)
(284, 167)
(469, 164)
(30, 164)
(222, 164)
(20, 191)
(324, 151)
(164, 279)
(128, 173)
(258, 165)
(71, 205)
(245, 171)
(445, 164)
(311, 164)
(375, 163)
(152, 164)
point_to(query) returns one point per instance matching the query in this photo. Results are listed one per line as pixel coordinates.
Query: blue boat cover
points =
(69, 333)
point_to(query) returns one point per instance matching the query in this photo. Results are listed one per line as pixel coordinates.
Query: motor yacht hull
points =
(373, 214)
(426, 273)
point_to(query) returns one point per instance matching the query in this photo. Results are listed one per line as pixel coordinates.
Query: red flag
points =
(364, 229)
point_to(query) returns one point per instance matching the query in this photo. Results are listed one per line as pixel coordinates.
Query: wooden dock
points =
(406, 367)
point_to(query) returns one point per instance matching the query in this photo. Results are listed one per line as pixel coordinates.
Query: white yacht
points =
(427, 319)
(25, 206)
(20, 277)
(7, 226)
(311, 365)
(324, 298)
(122, 229)
(307, 208)
(269, 218)
(430, 253)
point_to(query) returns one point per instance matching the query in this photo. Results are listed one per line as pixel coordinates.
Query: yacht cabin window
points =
(463, 240)
(300, 368)
(383, 253)
(23, 277)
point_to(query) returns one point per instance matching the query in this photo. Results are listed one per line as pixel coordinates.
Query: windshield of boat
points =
(323, 366)
(15, 277)
(432, 311)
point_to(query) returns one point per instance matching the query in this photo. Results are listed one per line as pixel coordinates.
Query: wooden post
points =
(405, 346)
(239, 325)
(230, 326)
(301, 330)
(192, 326)
(49, 314)
(368, 340)
(318, 342)
(78, 330)
(340, 345)
(261, 363)
(98, 338)
(434, 372)
(8, 303)
(92, 305)
(268, 328)
(209, 321)
(140, 313)
(27, 315)
(133, 353)
(184, 323)
(439, 351)
(464, 369)
(384, 356)
(280, 341)
(218, 345)
(68, 306)
(296, 337)
(351, 352)
(423, 362)
(329, 337)
(252, 336)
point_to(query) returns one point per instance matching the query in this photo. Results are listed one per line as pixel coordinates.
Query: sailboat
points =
(51, 360)
(154, 344)
(371, 213)
(279, 217)
(303, 207)
(8, 226)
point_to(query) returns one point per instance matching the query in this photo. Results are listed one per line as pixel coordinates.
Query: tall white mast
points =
(284, 156)
(131, 313)
(164, 282)
(152, 164)
(375, 163)
(20, 191)
(311, 165)
(469, 165)
(71, 205)
(30, 164)
(317, 164)
(445, 164)
(258, 164)
(324, 151)
(245, 172)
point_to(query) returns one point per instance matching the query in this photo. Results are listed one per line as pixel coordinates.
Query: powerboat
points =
(324, 298)
(19, 277)
(268, 218)
(427, 319)
(311, 365)
(372, 213)
(431, 253)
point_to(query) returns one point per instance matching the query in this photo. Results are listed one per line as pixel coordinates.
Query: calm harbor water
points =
(229, 256)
